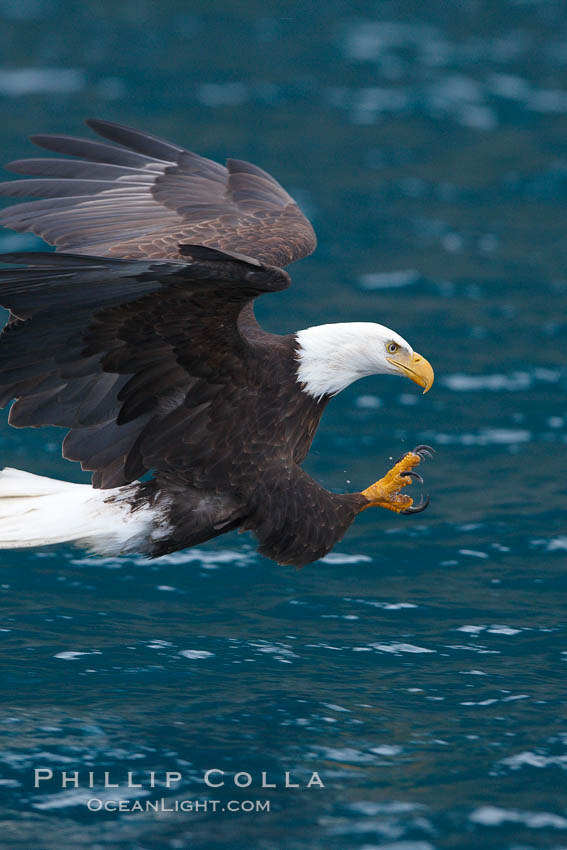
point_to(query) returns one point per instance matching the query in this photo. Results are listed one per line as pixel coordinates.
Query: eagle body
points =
(138, 336)
(232, 475)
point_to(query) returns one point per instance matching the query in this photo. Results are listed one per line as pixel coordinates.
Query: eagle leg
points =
(386, 493)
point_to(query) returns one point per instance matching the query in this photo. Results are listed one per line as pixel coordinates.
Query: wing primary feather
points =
(47, 187)
(76, 168)
(94, 151)
(135, 140)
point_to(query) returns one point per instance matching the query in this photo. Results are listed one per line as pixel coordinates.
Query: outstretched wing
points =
(144, 198)
(129, 355)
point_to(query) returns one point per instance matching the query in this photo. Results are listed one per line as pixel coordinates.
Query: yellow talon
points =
(385, 493)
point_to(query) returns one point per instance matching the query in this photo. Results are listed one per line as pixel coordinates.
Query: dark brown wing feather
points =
(144, 198)
(133, 357)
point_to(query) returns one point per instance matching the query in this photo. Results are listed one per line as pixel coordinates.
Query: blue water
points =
(419, 670)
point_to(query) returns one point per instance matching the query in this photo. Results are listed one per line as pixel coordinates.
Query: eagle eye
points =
(392, 347)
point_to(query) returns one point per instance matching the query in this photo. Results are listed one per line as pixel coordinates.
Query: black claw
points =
(417, 509)
(424, 451)
(411, 474)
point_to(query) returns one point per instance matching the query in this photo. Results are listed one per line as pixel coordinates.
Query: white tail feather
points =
(39, 511)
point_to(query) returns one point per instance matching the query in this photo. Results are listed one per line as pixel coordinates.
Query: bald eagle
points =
(138, 336)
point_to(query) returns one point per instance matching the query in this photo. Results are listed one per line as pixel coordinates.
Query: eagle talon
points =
(386, 493)
(417, 509)
(414, 475)
(424, 451)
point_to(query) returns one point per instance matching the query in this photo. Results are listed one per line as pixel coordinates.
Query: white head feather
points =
(330, 357)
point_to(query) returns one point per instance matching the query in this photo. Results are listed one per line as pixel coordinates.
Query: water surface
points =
(419, 669)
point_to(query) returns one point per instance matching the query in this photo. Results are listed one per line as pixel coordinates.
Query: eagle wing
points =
(131, 356)
(142, 197)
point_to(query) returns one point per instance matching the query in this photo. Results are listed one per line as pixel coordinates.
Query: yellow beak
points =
(416, 367)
